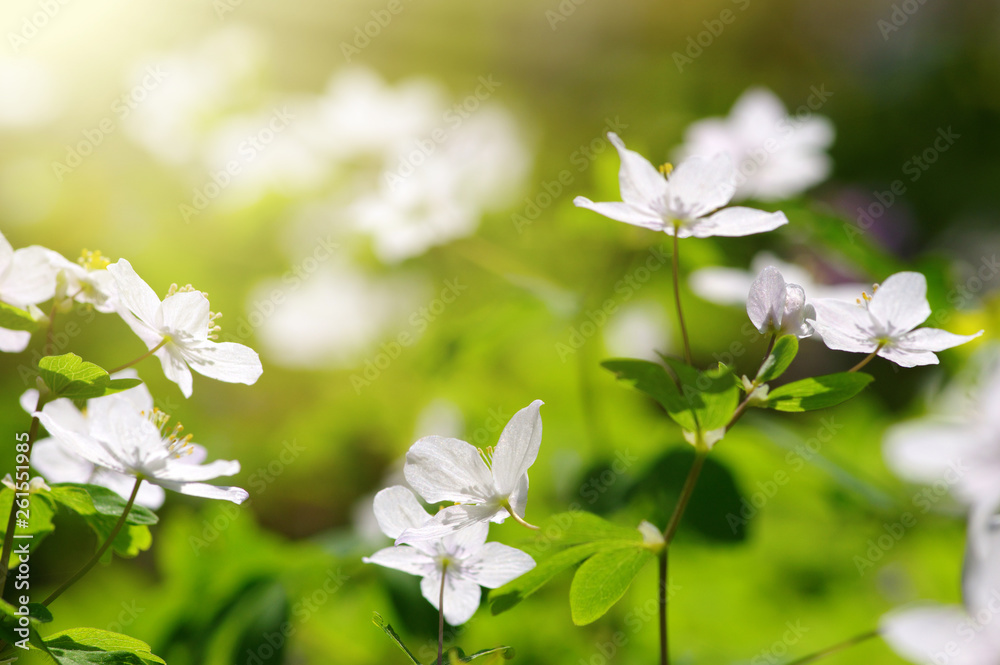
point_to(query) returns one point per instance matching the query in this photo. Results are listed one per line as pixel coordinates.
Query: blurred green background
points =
(120, 118)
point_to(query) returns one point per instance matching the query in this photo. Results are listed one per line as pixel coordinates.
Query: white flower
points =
(488, 489)
(729, 286)
(59, 463)
(463, 558)
(776, 156)
(886, 322)
(969, 634)
(26, 278)
(85, 281)
(777, 307)
(959, 448)
(181, 329)
(684, 203)
(121, 438)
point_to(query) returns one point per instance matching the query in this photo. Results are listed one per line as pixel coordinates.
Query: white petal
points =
(722, 286)
(843, 326)
(496, 564)
(518, 501)
(922, 451)
(461, 597)
(185, 312)
(448, 521)
(937, 633)
(235, 494)
(738, 221)
(150, 496)
(796, 311)
(981, 571)
(639, 180)
(700, 185)
(397, 509)
(900, 302)
(932, 339)
(149, 335)
(176, 471)
(404, 558)
(905, 358)
(517, 448)
(14, 341)
(766, 300)
(59, 463)
(623, 212)
(32, 278)
(227, 361)
(83, 445)
(443, 469)
(133, 292)
(175, 368)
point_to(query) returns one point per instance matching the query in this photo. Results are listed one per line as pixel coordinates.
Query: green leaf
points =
(70, 376)
(584, 533)
(711, 395)
(782, 355)
(456, 655)
(100, 508)
(602, 580)
(40, 511)
(79, 646)
(387, 629)
(94, 499)
(652, 379)
(13, 318)
(817, 392)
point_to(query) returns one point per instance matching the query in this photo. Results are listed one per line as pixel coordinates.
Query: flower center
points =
(666, 168)
(93, 260)
(177, 445)
(487, 456)
(213, 328)
(865, 298)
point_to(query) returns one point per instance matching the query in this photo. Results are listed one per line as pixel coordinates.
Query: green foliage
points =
(70, 376)
(603, 579)
(817, 392)
(101, 508)
(455, 655)
(41, 510)
(90, 646)
(781, 356)
(697, 401)
(14, 318)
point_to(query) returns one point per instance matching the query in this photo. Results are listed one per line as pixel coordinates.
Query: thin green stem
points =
(8, 537)
(677, 299)
(444, 569)
(664, 654)
(868, 359)
(742, 407)
(518, 518)
(682, 501)
(829, 651)
(140, 358)
(104, 548)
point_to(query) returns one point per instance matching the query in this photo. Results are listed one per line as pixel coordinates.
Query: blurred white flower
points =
(86, 280)
(180, 331)
(121, 438)
(885, 323)
(488, 486)
(331, 317)
(26, 278)
(28, 95)
(775, 306)
(638, 330)
(685, 203)
(957, 447)
(463, 560)
(729, 286)
(776, 156)
(967, 634)
(199, 86)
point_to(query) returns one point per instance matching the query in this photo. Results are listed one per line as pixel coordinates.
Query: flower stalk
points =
(677, 299)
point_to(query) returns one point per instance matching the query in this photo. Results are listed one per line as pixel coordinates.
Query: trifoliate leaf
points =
(817, 392)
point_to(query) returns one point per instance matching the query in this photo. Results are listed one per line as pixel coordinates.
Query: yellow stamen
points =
(487, 455)
(93, 260)
(666, 169)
